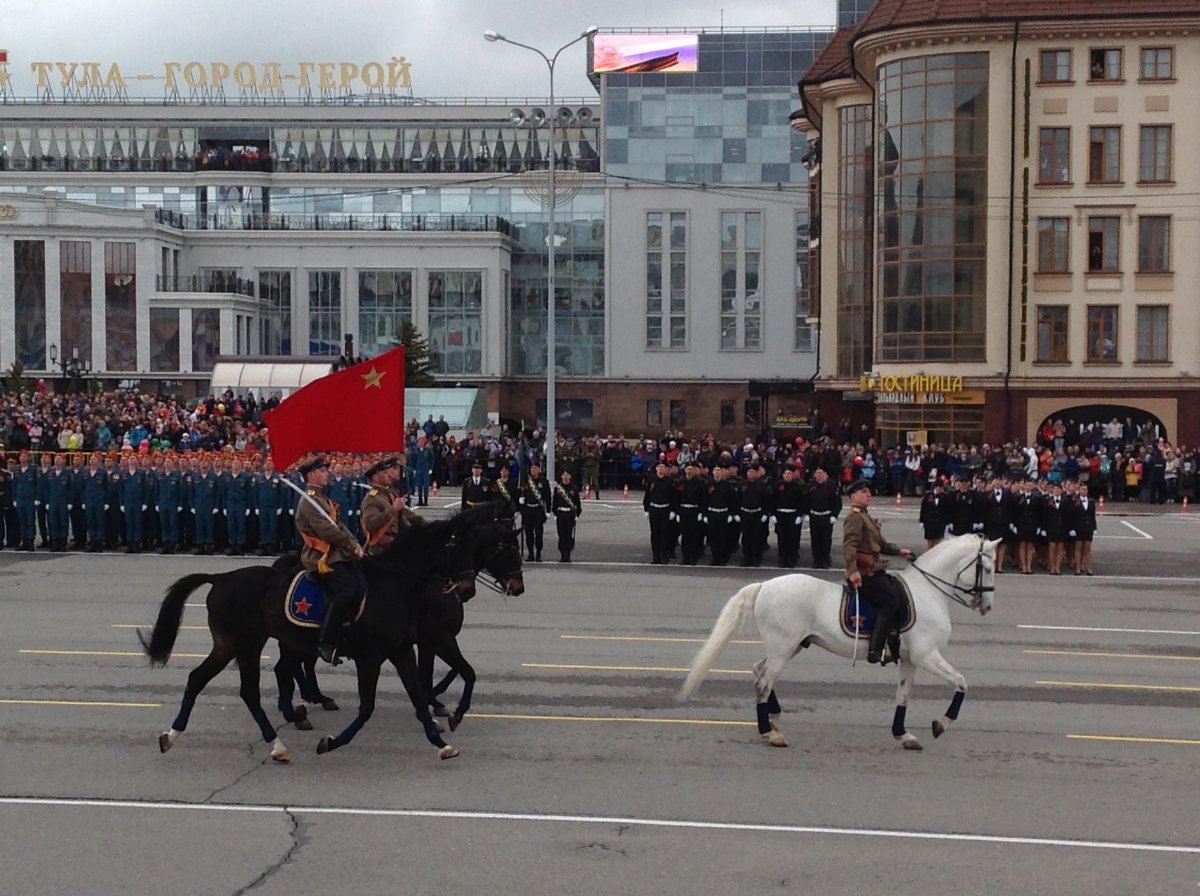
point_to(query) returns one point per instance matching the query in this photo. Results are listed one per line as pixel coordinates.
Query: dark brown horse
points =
(245, 609)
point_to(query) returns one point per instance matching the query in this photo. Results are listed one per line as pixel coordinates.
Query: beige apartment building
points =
(1005, 205)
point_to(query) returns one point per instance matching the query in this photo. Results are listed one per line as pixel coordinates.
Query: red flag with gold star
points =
(358, 410)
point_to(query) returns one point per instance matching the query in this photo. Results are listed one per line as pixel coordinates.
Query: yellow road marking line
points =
(15, 702)
(517, 717)
(182, 628)
(640, 638)
(137, 653)
(1122, 687)
(1175, 741)
(1122, 656)
(597, 668)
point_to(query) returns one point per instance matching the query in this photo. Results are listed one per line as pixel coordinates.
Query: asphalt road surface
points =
(1071, 770)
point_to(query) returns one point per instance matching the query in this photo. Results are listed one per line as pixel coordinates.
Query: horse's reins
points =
(976, 591)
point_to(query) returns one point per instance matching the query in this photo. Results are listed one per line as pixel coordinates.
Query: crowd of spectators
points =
(1118, 460)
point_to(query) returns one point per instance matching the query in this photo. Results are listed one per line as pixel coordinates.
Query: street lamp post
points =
(552, 199)
(72, 368)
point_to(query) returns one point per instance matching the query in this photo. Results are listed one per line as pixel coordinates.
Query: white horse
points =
(795, 611)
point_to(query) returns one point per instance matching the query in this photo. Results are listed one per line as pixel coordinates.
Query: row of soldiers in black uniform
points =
(529, 505)
(1050, 522)
(720, 509)
(202, 503)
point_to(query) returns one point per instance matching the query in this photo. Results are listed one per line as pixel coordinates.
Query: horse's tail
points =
(736, 610)
(170, 615)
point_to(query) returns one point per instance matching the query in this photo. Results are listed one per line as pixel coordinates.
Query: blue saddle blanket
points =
(304, 603)
(866, 616)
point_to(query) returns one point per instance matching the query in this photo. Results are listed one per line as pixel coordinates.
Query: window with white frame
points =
(1153, 333)
(666, 280)
(324, 312)
(741, 280)
(804, 331)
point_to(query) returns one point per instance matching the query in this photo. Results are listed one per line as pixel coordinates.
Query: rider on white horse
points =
(866, 570)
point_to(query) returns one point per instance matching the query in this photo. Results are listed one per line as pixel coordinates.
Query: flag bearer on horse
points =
(862, 545)
(384, 511)
(328, 552)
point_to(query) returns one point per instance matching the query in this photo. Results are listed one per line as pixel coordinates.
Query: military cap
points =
(316, 463)
(384, 463)
(476, 463)
(857, 486)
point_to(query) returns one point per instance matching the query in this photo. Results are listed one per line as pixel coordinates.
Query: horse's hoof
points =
(165, 742)
(774, 721)
(329, 705)
(324, 745)
(447, 752)
(440, 711)
(303, 724)
(282, 756)
(775, 739)
(454, 721)
(940, 727)
(909, 742)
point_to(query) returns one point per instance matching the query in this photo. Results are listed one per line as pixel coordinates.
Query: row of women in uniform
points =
(1051, 523)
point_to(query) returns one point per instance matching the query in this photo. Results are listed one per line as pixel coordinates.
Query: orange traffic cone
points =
(897, 500)
(1183, 506)
(1100, 506)
(433, 493)
(587, 492)
(625, 494)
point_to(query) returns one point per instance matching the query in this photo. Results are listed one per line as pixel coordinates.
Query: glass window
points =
(206, 337)
(456, 322)
(275, 322)
(1154, 244)
(741, 301)
(855, 284)
(1154, 164)
(324, 312)
(1052, 341)
(29, 282)
(385, 305)
(728, 413)
(1104, 155)
(678, 413)
(1054, 245)
(1105, 64)
(1054, 156)
(164, 340)
(1153, 333)
(120, 306)
(1104, 245)
(802, 332)
(654, 412)
(752, 413)
(666, 303)
(75, 285)
(1102, 333)
(1158, 63)
(1055, 65)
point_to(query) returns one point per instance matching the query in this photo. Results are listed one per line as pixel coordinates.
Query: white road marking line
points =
(1130, 525)
(539, 818)
(1125, 631)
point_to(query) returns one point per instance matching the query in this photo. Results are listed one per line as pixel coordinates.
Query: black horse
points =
(245, 608)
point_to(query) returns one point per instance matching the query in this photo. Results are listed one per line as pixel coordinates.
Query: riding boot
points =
(331, 630)
(879, 635)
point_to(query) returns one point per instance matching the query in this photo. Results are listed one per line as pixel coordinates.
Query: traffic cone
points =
(1100, 506)
(433, 493)
(897, 500)
(625, 494)
(1183, 506)
(587, 492)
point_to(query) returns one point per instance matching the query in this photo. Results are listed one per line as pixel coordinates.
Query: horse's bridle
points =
(975, 592)
(492, 581)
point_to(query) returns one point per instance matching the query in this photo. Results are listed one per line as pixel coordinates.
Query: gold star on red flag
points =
(373, 378)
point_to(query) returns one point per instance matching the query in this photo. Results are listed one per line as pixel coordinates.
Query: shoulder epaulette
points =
(372, 493)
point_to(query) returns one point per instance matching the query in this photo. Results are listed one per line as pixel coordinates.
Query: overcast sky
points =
(441, 39)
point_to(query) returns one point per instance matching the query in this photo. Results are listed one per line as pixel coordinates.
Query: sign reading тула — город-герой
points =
(920, 388)
(96, 81)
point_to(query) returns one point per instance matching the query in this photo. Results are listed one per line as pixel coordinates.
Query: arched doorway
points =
(1077, 418)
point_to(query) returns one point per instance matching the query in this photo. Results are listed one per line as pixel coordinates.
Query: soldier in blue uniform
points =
(78, 520)
(56, 491)
(189, 464)
(93, 490)
(269, 502)
(113, 476)
(133, 504)
(169, 494)
(43, 510)
(12, 524)
(338, 490)
(5, 498)
(220, 533)
(205, 505)
(151, 529)
(236, 507)
(25, 499)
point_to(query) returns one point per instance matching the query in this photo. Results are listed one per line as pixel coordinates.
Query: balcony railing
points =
(214, 281)
(336, 221)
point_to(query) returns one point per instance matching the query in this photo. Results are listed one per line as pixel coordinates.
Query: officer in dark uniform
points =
(720, 516)
(534, 502)
(133, 504)
(78, 519)
(56, 492)
(791, 506)
(999, 515)
(933, 514)
(693, 501)
(862, 546)
(43, 508)
(268, 505)
(475, 489)
(189, 466)
(25, 499)
(565, 505)
(5, 498)
(660, 502)
(114, 526)
(167, 493)
(205, 506)
(503, 494)
(94, 489)
(824, 506)
(962, 508)
(754, 507)
(11, 524)
(236, 506)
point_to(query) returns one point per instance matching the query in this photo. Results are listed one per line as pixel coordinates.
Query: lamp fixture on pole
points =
(552, 201)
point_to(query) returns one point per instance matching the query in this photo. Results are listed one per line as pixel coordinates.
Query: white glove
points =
(799, 521)
(672, 516)
(223, 512)
(37, 503)
(143, 507)
(122, 508)
(703, 519)
(1012, 527)
(70, 507)
(774, 521)
(247, 513)
(106, 507)
(179, 510)
(215, 511)
(279, 511)
(1072, 533)
(737, 517)
(764, 517)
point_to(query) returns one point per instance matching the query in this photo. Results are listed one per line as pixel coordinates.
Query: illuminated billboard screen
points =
(629, 53)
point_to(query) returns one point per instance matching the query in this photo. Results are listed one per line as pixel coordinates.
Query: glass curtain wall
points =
(855, 287)
(29, 282)
(385, 305)
(275, 320)
(206, 337)
(455, 322)
(324, 312)
(120, 306)
(75, 286)
(164, 340)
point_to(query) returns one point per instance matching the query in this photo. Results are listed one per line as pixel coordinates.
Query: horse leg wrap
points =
(773, 704)
(955, 705)
(764, 718)
(898, 729)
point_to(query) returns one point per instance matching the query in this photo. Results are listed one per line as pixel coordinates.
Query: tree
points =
(416, 358)
(15, 380)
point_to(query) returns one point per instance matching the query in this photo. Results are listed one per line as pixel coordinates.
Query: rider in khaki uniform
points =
(862, 545)
(329, 552)
(384, 511)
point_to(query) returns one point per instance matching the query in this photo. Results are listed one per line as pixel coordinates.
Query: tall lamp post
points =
(552, 199)
(72, 368)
